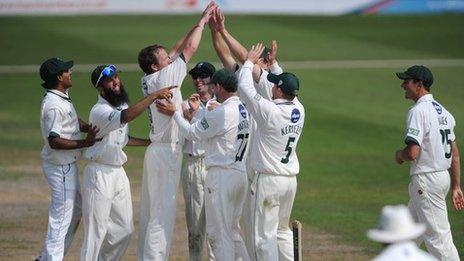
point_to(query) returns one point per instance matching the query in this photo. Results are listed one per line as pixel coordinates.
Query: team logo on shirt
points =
(242, 111)
(110, 117)
(295, 115)
(413, 131)
(437, 107)
(204, 124)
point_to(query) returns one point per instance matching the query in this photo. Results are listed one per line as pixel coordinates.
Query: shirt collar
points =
(60, 94)
(282, 101)
(427, 97)
(232, 98)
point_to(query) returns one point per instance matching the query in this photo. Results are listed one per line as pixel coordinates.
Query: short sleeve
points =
(414, 127)
(53, 119)
(452, 136)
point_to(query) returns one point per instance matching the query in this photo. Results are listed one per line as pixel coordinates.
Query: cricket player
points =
(61, 133)
(194, 170)
(274, 160)
(107, 204)
(396, 231)
(432, 150)
(226, 47)
(225, 130)
(163, 158)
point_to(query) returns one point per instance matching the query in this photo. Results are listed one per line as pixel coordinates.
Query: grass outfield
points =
(355, 117)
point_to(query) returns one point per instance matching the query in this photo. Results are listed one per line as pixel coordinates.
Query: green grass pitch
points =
(355, 117)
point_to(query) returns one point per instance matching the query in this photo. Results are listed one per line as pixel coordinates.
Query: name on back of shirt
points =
(291, 129)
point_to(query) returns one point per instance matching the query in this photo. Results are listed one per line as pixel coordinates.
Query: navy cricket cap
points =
(203, 70)
(417, 72)
(102, 73)
(52, 67)
(287, 82)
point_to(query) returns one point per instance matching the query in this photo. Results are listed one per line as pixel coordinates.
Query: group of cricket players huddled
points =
(232, 144)
(236, 137)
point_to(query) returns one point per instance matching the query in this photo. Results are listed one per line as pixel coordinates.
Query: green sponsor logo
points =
(204, 124)
(413, 131)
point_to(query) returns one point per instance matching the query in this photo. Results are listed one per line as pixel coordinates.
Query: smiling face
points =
(201, 84)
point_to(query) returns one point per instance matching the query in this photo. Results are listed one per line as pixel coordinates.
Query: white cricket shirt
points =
(279, 126)
(225, 130)
(59, 118)
(430, 126)
(195, 147)
(113, 133)
(163, 128)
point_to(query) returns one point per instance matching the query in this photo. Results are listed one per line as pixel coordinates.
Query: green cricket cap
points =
(52, 67)
(287, 82)
(417, 72)
(226, 78)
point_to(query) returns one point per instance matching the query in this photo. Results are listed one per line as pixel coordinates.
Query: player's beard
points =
(116, 99)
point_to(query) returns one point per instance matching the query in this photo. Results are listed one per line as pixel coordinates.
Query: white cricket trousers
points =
(224, 197)
(427, 193)
(106, 212)
(64, 212)
(193, 183)
(272, 203)
(247, 216)
(161, 174)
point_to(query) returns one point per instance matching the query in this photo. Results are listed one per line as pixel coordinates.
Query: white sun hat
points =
(396, 225)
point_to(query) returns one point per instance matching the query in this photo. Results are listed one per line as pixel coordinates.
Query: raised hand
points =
(273, 54)
(205, 17)
(166, 107)
(91, 134)
(255, 53)
(458, 199)
(194, 102)
(165, 93)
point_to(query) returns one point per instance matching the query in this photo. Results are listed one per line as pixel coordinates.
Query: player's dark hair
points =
(52, 82)
(427, 88)
(147, 57)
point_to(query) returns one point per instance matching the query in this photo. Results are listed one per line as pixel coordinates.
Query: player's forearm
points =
(192, 40)
(455, 169)
(245, 84)
(222, 50)
(138, 142)
(275, 68)
(184, 126)
(135, 110)
(58, 143)
(238, 50)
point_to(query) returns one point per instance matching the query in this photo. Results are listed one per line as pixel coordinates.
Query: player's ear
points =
(154, 67)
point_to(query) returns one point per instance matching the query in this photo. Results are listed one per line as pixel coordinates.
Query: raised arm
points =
(188, 44)
(455, 172)
(259, 107)
(219, 44)
(237, 49)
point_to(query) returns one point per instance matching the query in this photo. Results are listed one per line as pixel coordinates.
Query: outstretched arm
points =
(219, 44)
(188, 45)
(135, 110)
(455, 172)
(133, 141)
(237, 49)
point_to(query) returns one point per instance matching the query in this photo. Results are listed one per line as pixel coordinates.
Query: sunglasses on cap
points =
(107, 72)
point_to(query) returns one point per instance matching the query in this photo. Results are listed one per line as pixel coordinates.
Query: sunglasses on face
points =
(202, 76)
(107, 72)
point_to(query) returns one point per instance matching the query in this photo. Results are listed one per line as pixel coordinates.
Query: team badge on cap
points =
(295, 115)
(242, 111)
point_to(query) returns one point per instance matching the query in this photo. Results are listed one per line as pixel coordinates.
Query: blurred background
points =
(345, 53)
